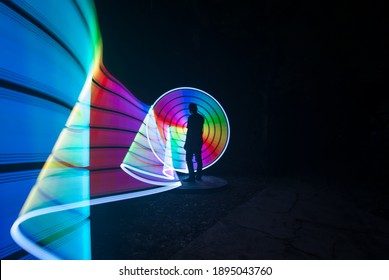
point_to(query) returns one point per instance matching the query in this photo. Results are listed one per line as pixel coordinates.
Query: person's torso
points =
(195, 126)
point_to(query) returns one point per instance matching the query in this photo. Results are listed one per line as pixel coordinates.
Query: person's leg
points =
(199, 162)
(189, 163)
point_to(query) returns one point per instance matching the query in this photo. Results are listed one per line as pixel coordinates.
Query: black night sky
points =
(302, 82)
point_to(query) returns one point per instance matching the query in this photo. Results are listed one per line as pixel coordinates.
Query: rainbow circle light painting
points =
(97, 142)
(164, 129)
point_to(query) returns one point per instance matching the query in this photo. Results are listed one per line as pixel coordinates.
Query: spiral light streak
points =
(61, 109)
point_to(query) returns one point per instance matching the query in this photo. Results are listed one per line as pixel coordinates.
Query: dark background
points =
(304, 83)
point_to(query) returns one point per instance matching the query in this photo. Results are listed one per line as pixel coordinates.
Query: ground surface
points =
(251, 218)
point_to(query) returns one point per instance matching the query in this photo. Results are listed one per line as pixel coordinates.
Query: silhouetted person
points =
(194, 142)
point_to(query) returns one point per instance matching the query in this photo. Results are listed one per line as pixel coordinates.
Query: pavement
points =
(293, 219)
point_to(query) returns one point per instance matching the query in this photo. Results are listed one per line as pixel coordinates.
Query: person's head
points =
(192, 108)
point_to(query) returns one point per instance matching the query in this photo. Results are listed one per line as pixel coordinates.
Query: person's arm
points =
(188, 127)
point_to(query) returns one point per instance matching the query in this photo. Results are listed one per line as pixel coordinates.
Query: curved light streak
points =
(61, 107)
(41, 253)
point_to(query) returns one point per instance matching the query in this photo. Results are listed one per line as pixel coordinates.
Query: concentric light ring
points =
(170, 113)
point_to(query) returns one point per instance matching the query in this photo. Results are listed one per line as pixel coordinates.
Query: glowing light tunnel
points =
(61, 107)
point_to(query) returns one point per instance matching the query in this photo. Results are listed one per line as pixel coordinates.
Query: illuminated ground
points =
(249, 219)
